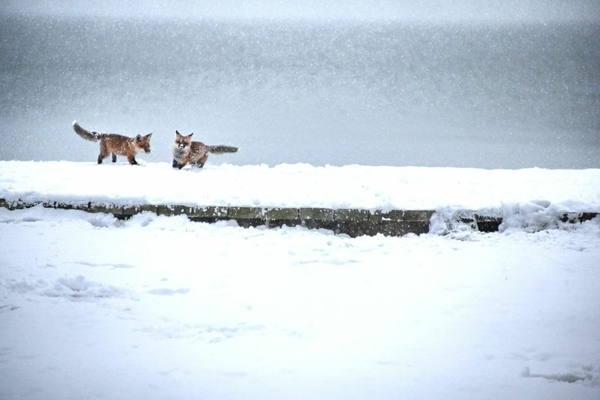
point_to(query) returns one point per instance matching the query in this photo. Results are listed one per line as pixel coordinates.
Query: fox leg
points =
(114, 157)
(201, 161)
(131, 160)
(103, 152)
(177, 164)
(101, 157)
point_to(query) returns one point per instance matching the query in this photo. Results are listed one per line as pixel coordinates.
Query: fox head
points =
(181, 142)
(143, 142)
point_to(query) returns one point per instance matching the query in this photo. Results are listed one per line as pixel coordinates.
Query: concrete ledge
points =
(353, 222)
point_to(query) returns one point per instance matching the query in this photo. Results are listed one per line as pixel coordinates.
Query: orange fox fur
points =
(112, 143)
(195, 153)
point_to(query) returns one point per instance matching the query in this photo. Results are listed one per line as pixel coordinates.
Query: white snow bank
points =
(301, 185)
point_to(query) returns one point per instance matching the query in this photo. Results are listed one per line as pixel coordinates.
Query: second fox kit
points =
(195, 153)
(112, 143)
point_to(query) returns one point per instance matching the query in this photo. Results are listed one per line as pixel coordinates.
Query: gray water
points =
(446, 94)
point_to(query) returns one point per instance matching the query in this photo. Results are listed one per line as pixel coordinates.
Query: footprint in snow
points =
(7, 308)
(81, 288)
(168, 292)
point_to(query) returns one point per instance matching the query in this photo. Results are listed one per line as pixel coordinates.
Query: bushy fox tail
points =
(87, 135)
(219, 149)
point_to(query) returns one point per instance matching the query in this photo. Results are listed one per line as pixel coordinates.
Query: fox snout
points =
(145, 146)
(143, 142)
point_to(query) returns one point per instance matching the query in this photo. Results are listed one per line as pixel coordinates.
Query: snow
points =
(300, 185)
(159, 307)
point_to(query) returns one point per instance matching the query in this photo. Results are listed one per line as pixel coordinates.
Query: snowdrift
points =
(351, 199)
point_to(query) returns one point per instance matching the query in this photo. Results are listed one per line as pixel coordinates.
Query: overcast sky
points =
(423, 10)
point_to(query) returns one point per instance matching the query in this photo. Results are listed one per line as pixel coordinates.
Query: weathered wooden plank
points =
(128, 211)
(392, 215)
(354, 222)
(104, 208)
(351, 215)
(417, 215)
(170, 210)
(245, 213)
(208, 212)
(324, 214)
(281, 213)
(578, 217)
(487, 223)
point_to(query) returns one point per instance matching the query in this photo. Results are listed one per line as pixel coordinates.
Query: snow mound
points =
(584, 377)
(73, 288)
(533, 216)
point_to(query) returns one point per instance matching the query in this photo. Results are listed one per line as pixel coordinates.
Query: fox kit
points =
(115, 144)
(195, 153)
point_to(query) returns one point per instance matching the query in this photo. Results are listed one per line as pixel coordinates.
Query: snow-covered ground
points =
(300, 185)
(163, 308)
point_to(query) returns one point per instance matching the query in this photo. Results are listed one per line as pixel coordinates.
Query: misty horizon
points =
(435, 11)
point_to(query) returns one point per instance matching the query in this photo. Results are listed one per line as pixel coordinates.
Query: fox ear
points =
(148, 135)
(138, 138)
(190, 135)
(177, 132)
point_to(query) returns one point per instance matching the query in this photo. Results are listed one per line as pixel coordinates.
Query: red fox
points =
(115, 144)
(195, 153)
